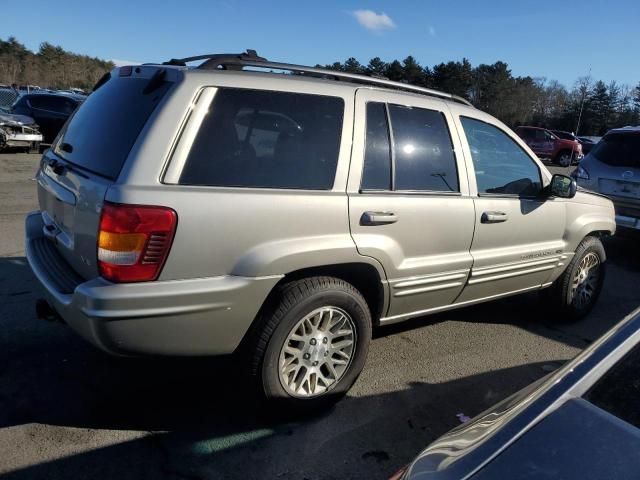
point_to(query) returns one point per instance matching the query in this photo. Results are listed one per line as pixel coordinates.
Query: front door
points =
(518, 231)
(408, 200)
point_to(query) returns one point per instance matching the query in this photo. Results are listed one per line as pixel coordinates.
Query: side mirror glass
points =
(563, 186)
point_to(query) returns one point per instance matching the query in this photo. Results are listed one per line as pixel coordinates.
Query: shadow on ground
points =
(199, 419)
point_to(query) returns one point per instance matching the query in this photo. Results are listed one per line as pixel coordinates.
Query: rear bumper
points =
(627, 213)
(203, 316)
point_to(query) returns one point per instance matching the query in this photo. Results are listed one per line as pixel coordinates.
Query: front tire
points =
(312, 343)
(575, 292)
(563, 158)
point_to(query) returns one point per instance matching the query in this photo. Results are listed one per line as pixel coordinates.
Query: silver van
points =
(280, 212)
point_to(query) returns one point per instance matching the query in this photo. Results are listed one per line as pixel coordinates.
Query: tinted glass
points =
(253, 138)
(377, 158)
(501, 166)
(42, 102)
(619, 150)
(424, 158)
(105, 127)
(618, 391)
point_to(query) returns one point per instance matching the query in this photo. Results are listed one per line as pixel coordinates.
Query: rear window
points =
(102, 131)
(266, 139)
(619, 150)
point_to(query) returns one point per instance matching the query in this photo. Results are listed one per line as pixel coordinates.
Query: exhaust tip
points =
(44, 311)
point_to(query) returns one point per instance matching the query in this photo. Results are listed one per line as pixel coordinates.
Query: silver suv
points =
(613, 169)
(213, 210)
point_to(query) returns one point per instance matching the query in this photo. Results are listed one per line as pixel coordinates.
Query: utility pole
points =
(584, 97)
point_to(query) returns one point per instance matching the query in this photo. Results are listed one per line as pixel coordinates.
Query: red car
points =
(547, 144)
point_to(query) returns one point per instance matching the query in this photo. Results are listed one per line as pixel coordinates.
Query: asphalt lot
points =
(69, 411)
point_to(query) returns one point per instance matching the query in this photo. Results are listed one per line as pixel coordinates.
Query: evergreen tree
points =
(376, 67)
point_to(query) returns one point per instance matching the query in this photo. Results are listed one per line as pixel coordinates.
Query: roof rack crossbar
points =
(237, 61)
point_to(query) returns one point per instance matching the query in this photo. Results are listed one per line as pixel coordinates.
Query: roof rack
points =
(250, 58)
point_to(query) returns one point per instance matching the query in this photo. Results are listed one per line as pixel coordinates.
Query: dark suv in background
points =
(546, 144)
(49, 110)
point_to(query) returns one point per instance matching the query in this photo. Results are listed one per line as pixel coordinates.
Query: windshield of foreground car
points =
(619, 150)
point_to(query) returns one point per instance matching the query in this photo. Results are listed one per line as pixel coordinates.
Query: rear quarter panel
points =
(240, 231)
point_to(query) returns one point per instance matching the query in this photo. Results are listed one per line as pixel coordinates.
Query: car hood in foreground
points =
(577, 441)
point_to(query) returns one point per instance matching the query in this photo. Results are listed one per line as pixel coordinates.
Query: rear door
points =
(518, 237)
(408, 199)
(75, 174)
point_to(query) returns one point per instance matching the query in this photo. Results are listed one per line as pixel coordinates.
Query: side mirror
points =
(563, 186)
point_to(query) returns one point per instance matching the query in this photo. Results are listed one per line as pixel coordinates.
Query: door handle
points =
(378, 218)
(494, 217)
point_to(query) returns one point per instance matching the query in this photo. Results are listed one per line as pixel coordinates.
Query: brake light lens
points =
(134, 241)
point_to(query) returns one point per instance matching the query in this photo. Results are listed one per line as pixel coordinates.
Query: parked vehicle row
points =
(562, 148)
(282, 217)
(49, 110)
(35, 118)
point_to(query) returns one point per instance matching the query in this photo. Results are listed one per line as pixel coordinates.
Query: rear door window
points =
(267, 139)
(423, 152)
(619, 150)
(102, 131)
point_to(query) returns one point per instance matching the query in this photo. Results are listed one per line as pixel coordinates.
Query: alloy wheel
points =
(585, 280)
(317, 352)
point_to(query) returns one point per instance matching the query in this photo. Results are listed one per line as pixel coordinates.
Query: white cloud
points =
(120, 63)
(432, 31)
(373, 21)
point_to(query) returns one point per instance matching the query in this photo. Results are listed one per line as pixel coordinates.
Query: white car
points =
(19, 131)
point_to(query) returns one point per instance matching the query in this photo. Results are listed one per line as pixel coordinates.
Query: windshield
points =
(619, 150)
(99, 136)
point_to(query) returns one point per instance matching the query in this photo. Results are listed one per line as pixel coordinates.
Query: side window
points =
(376, 174)
(423, 152)
(502, 167)
(268, 139)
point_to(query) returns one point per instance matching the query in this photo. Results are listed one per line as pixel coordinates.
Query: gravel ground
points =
(69, 411)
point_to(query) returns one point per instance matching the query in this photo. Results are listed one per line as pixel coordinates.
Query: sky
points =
(557, 39)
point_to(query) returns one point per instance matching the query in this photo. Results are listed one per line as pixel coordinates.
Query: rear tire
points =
(311, 344)
(575, 292)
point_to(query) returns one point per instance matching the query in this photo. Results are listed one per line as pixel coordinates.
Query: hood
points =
(16, 120)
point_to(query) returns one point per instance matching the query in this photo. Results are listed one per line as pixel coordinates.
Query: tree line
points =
(50, 67)
(588, 108)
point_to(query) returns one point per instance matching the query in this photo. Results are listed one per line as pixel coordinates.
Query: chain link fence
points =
(7, 97)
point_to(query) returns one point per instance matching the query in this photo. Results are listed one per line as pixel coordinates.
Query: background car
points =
(49, 110)
(18, 131)
(546, 144)
(613, 169)
(588, 143)
(580, 422)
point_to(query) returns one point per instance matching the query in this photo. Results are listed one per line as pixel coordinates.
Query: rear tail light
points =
(580, 173)
(134, 241)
